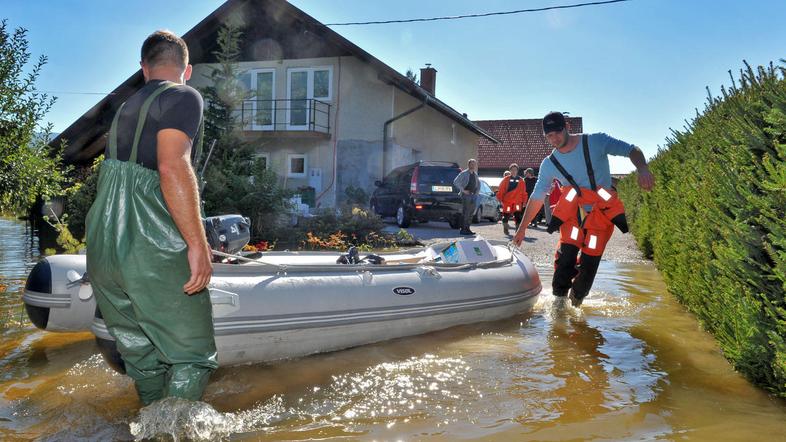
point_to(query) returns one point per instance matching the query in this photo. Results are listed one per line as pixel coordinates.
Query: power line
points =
(75, 93)
(487, 14)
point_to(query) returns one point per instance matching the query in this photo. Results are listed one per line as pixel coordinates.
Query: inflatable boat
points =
(288, 304)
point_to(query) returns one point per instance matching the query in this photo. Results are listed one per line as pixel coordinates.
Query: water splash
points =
(182, 419)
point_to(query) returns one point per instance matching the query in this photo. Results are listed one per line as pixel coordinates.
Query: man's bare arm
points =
(646, 180)
(179, 187)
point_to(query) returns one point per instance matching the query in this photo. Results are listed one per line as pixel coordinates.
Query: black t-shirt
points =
(179, 107)
(530, 184)
(513, 183)
(472, 184)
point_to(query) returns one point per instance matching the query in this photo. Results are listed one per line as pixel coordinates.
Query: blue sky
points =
(633, 70)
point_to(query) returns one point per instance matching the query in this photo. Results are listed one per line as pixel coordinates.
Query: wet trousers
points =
(137, 264)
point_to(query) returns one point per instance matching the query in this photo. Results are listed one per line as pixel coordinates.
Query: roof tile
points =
(521, 142)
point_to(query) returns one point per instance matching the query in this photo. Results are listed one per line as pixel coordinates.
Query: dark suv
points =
(422, 191)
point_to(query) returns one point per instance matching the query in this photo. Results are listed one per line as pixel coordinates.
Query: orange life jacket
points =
(512, 194)
(607, 211)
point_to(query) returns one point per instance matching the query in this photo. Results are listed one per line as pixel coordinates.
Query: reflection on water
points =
(630, 365)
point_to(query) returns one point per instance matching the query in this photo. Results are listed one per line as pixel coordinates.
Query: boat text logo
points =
(404, 291)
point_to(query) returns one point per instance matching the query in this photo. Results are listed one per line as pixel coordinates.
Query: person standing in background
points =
(513, 197)
(468, 183)
(529, 180)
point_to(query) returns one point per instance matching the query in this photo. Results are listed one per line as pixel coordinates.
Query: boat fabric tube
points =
(137, 262)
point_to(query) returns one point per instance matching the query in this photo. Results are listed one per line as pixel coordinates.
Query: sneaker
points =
(574, 300)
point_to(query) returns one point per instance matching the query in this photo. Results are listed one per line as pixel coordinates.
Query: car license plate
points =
(441, 188)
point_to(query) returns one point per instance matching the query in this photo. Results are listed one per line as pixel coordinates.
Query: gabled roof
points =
(521, 142)
(272, 30)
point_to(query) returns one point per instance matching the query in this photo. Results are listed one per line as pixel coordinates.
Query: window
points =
(258, 112)
(264, 158)
(303, 86)
(296, 166)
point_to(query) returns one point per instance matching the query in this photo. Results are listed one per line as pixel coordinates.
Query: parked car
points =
(488, 205)
(421, 191)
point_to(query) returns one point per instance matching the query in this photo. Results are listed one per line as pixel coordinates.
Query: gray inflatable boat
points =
(289, 304)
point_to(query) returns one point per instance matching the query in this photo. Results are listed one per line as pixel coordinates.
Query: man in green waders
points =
(147, 255)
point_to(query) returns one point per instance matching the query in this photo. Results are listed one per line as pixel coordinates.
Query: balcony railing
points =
(307, 115)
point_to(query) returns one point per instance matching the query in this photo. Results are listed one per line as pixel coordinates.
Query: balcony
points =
(299, 118)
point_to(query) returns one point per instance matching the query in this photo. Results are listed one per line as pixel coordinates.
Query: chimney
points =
(428, 78)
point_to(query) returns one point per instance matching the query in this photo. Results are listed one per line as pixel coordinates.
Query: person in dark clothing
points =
(529, 181)
(468, 183)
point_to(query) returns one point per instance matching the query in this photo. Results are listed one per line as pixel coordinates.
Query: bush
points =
(334, 230)
(249, 191)
(80, 196)
(356, 196)
(715, 226)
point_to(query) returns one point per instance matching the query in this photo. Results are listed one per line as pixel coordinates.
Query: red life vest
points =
(512, 194)
(607, 211)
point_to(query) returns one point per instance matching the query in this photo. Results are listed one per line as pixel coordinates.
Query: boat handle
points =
(429, 271)
(218, 296)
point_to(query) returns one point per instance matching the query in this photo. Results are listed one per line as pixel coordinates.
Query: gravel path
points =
(538, 244)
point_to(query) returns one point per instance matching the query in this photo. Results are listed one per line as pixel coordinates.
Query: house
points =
(520, 141)
(322, 112)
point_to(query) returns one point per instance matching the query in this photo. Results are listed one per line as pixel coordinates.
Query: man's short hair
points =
(164, 47)
(472, 160)
(513, 165)
(529, 170)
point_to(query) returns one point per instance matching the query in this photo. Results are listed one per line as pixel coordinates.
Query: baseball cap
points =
(553, 122)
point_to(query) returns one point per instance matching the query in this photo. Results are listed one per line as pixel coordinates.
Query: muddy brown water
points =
(632, 364)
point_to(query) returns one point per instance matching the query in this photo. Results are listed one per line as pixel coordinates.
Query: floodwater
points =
(630, 365)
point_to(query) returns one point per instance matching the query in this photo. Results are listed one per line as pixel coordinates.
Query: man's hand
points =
(519, 236)
(201, 269)
(646, 180)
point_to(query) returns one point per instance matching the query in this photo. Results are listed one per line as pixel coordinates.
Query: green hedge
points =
(715, 224)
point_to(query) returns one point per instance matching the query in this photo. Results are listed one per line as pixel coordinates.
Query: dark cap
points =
(553, 122)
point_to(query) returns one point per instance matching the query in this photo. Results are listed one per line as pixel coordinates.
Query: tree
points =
(412, 75)
(29, 168)
(236, 183)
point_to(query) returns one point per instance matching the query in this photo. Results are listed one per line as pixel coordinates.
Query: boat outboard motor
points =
(351, 257)
(227, 233)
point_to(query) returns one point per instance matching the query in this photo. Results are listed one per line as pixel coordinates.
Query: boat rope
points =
(442, 266)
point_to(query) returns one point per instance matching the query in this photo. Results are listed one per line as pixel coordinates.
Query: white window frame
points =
(292, 156)
(309, 92)
(253, 74)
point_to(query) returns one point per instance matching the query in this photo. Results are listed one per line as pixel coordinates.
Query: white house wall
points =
(431, 134)
(360, 105)
(318, 151)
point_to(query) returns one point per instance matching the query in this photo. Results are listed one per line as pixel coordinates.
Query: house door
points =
(259, 108)
(304, 85)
